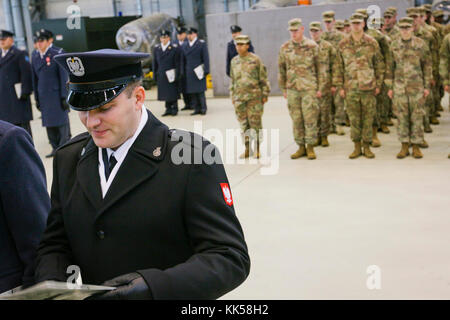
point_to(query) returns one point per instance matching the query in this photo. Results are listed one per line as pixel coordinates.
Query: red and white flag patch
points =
(227, 194)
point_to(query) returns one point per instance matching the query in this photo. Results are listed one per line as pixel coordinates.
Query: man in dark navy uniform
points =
(231, 47)
(24, 206)
(166, 66)
(15, 83)
(49, 82)
(130, 206)
(182, 42)
(196, 68)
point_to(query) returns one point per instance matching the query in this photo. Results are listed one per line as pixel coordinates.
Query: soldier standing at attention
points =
(327, 57)
(166, 66)
(249, 92)
(15, 70)
(359, 75)
(301, 82)
(409, 78)
(338, 115)
(444, 64)
(391, 28)
(422, 33)
(339, 25)
(231, 46)
(182, 42)
(49, 82)
(347, 28)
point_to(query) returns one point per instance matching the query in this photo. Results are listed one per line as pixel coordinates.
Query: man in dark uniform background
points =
(24, 206)
(49, 82)
(166, 66)
(182, 42)
(231, 46)
(125, 208)
(15, 70)
(196, 68)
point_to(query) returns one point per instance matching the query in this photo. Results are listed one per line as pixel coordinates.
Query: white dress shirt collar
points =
(191, 43)
(4, 53)
(164, 47)
(119, 154)
(43, 54)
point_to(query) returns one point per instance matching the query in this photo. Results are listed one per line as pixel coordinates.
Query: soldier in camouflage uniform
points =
(327, 57)
(358, 75)
(391, 28)
(380, 120)
(301, 82)
(339, 26)
(444, 64)
(422, 33)
(249, 92)
(347, 28)
(338, 115)
(409, 79)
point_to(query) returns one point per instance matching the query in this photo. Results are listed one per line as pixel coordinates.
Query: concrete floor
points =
(314, 227)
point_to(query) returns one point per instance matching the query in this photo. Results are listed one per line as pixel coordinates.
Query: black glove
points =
(130, 286)
(64, 104)
(24, 96)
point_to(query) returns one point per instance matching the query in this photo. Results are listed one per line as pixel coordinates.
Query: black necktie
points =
(108, 163)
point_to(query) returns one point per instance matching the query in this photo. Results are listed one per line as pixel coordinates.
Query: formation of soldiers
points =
(359, 72)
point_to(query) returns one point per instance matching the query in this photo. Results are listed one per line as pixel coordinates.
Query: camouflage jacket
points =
(426, 35)
(444, 64)
(327, 58)
(333, 37)
(298, 66)
(383, 42)
(360, 65)
(410, 71)
(394, 32)
(248, 78)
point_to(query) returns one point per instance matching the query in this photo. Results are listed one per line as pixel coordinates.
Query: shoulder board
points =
(79, 138)
(201, 40)
(158, 46)
(174, 45)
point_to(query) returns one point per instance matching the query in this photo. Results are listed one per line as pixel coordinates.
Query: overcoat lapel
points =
(8, 56)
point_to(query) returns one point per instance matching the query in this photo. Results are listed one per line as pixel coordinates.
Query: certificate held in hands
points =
(170, 75)
(200, 71)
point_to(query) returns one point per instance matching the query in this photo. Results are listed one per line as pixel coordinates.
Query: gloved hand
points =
(24, 96)
(64, 104)
(130, 286)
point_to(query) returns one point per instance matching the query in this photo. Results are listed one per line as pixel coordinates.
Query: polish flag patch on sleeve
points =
(226, 193)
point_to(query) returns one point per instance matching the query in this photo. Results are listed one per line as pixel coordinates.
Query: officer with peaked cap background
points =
(196, 68)
(166, 66)
(49, 83)
(129, 205)
(231, 46)
(15, 71)
(182, 41)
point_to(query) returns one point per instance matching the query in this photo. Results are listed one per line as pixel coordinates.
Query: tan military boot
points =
(404, 152)
(428, 129)
(434, 120)
(301, 152)
(440, 108)
(390, 123)
(310, 152)
(437, 114)
(416, 151)
(423, 145)
(385, 129)
(375, 141)
(247, 151)
(324, 142)
(367, 152)
(357, 152)
(340, 130)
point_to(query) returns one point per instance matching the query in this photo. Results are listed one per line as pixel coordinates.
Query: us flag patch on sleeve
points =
(227, 194)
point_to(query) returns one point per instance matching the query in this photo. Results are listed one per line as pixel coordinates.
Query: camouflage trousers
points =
(249, 114)
(338, 110)
(304, 111)
(409, 110)
(324, 115)
(384, 104)
(361, 109)
(429, 108)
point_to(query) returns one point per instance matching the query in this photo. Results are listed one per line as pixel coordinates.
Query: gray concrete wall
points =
(268, 30)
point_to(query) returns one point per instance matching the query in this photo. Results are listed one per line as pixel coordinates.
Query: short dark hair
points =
(131, 86)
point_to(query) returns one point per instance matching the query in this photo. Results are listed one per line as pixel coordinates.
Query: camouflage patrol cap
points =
(315, 25)
(412, 12)
(388, 13)
(356, 18)
(421, 10)
(406, 22)
(346, 23)
(339, 24)
(362, 12)
(427, 8)
(242, 39)
(328, 16)
(438, 13)
(295, 24)
(392, 9)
